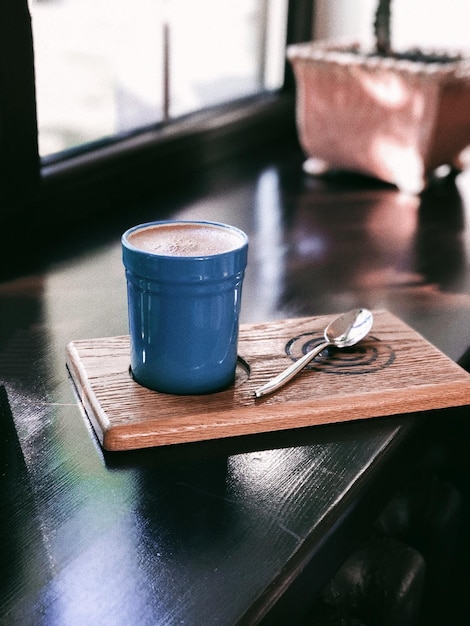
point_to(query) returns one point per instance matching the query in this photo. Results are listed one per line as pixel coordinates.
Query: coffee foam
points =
(185, 239)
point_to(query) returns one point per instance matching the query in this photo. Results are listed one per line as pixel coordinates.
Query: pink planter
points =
(396, 120)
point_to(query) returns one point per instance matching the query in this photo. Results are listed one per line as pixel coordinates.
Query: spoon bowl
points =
(343, 332)
(349, 328)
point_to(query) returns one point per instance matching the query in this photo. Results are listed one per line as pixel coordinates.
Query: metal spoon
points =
(344, 331)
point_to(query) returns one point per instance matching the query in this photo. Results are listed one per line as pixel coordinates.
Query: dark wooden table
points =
(223, 532)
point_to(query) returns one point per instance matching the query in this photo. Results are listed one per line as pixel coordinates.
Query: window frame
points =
(130, 167)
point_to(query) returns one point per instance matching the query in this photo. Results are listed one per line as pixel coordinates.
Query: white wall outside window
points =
(427, 23)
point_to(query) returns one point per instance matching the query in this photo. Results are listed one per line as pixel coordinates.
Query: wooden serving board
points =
(394, 370)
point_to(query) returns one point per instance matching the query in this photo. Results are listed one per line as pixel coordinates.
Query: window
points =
(107, 67)
(138, 130)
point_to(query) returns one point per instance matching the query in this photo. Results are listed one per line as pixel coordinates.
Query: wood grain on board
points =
(394, 370)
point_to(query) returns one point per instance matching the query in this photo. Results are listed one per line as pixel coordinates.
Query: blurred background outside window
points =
(105, 68)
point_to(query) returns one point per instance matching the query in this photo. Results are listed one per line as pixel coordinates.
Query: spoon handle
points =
(282, 378)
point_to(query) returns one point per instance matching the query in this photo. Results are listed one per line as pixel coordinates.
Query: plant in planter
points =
(396, 116)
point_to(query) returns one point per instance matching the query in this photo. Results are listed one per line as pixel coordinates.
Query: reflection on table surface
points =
(214, 532)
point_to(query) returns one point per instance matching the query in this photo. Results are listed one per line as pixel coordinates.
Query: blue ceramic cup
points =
(184, 286)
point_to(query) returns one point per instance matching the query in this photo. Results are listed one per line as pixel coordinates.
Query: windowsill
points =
(137, 166)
